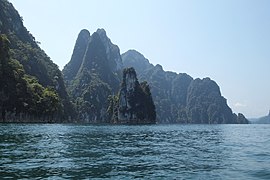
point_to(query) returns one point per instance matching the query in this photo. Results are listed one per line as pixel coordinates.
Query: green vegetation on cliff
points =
(133, 104)
(32, 86)
(22, 97)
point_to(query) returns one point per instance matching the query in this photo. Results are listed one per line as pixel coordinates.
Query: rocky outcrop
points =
(135, 104)
(241, 119)
(126, 111)
(181, 99)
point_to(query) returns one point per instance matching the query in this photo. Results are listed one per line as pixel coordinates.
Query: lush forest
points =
(32, 88)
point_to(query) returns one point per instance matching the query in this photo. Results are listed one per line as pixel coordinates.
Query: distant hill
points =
(261, 120)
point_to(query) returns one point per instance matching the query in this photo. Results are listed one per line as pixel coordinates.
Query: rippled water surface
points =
(55, 151)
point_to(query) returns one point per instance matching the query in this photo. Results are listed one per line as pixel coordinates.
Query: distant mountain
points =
(261, 120)
(179, 98)
(31, 85)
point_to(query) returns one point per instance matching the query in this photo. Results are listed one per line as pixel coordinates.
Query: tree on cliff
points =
(21, 93)
(32, 87)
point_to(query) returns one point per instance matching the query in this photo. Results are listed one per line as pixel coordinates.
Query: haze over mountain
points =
(261, 120)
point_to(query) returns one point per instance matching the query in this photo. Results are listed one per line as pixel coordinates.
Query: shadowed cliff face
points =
(206, 105)
(126, 96)
(135, 100)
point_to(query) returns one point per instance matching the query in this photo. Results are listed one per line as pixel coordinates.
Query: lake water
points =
(56, 151)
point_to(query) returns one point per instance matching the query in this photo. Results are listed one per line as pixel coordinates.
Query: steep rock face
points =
(135, 101)
(97, 55)
(179, 98)
(206, 105)
(112, 52)
(95, 76)
(72, 68)
(96, 62)
(126, 106)
(33, 69)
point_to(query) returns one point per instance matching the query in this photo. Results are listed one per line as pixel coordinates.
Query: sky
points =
(226, 40)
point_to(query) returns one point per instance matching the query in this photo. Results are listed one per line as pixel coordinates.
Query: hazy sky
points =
(228, 41)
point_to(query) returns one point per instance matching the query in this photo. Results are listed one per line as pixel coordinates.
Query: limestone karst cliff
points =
(134, 104)
(177, 97)
(93, 74)
(181, 99)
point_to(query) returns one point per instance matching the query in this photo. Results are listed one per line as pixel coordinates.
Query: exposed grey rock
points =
(135, 101)
(71, 69)
(112, 51)
(126, 111)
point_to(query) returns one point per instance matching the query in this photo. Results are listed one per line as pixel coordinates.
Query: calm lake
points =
(57, 151)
